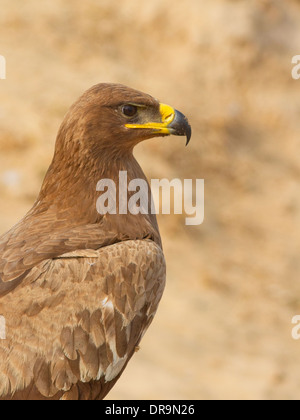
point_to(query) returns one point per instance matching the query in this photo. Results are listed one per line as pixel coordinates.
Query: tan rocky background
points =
(223, 330)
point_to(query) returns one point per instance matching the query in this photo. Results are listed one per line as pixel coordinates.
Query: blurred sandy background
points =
(223, 330)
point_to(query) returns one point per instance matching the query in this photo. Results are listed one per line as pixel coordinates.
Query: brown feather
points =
(78, 289)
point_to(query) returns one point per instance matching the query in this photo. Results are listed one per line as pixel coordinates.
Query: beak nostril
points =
(169, 117)
(167, 113)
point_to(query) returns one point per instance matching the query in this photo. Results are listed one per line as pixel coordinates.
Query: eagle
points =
(78, 289)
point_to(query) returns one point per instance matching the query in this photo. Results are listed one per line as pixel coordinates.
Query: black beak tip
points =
(181, 127)
(188, 133)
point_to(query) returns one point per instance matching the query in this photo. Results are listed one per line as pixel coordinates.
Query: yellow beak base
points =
(167, 116)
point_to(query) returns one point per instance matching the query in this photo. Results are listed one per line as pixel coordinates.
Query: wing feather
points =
(75, 321)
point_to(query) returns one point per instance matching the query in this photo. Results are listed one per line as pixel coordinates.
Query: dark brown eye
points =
(129, 110)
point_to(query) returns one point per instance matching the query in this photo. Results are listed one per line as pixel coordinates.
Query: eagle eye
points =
(129, 110)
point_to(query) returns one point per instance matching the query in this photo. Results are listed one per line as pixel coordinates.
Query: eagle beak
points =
(180, 126)
(172, 122)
